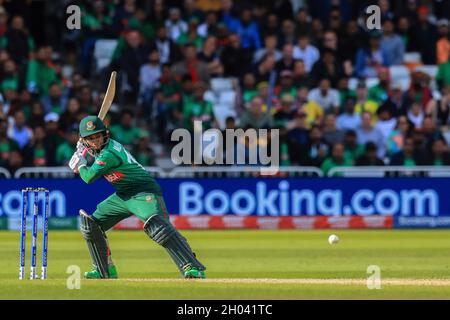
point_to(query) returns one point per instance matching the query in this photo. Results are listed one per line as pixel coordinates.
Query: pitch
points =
(245, 265)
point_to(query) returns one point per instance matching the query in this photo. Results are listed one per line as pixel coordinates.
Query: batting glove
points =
(76, 162)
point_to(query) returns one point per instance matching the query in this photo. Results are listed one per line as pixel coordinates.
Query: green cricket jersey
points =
(121, 169)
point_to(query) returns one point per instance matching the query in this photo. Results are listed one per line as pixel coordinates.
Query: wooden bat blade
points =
(109, 96)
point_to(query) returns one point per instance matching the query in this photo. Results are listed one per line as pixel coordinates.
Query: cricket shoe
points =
(95, 274)
(194, 273)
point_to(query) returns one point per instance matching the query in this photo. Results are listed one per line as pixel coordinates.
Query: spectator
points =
(129, 61)
(7, 145)
(19, 131)
(370, 59)
(344, 91)
(254, 116)
(66, 149)
(330, 42)
(351, 41)
(397, 137)
(331, 134)
(55, 101)
(424, 40)
(209, 55)
(440, 155)
(419, 91)
(314, 112)
(208, 28)
(287, 34)
(265, 70)
(298, 138)
(416, 115)
(441, 107)
(303, 21)
(285, 112)
(405, 32)
(249, 87)
(430, 131)
(37, 149)
(143, 152)
(306, 52)
(198, 109)
(287, 61)
(39, 74)
(175, 25)
(443, 75)
(317, 31)
(70, 116)
(10, 76)
(19, 43)
(408, 157)
(265, 92)
(149, 76)
(122, 15)
(286, 84)
(52, 139)
(336, 159)
(3, 22)
(271, 26)
(367, 132)
(167, 98)
(301, 77)
(327, 67)
(443, 44)
(228, 17)
(385, 124)
(363, 103)
(97, 23)
(349, 120)
(392, 45)
(317, 149)
(396, 101)
(283, 9)
(191, 65)
(126, 132)
(168, 50)
(352, 150)
(191, 35)
(158, 13)
(235, 59)
(410, 11)
(369, 158)
(325, 96)
(248, 31)
(36, 118)
(15, 161)
(86, 100)
(270, 47)
(190, 10)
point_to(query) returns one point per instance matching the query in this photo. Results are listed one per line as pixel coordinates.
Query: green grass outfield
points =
(245, 265)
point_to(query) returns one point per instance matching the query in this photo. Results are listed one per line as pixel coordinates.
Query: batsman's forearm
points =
(88, 175)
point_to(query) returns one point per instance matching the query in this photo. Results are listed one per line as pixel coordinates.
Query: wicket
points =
(25, 197)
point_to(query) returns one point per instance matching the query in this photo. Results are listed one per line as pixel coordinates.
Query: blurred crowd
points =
(290, 62)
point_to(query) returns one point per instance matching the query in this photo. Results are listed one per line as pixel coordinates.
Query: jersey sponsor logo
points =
(100, 162)
(114, 177)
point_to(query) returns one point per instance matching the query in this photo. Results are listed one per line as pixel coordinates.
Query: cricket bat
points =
(109, 96)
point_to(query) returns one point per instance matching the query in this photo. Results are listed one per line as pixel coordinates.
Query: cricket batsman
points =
(137, 193)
